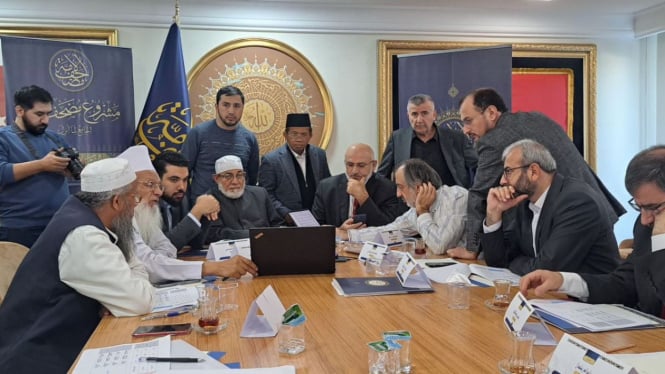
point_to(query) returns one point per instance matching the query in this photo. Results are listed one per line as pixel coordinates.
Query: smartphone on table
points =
(157, 330)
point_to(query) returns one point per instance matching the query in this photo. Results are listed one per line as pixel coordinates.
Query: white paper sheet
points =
(173, 297)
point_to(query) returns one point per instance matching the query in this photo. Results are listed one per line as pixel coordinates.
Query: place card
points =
(410, 274)
(266, 324)
(572, 355)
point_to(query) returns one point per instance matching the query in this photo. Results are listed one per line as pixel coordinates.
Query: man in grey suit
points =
(560, 222)
(182, 224)
(291, 173)
(487, 121)
(446, 151)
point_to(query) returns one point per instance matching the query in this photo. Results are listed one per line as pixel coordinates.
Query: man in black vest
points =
(80, 268)
(291, 173)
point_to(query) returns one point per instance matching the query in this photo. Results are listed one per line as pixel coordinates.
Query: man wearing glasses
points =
(152, 246)
(559, 222)
(639, 282)
(359, 196)
(488, 123)
(291, 173)
(241, 206)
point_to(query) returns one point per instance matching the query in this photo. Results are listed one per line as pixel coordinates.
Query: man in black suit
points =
(639, 281)
(291, 172)
(358, 191)
(487, 121)
(181, 224)
(446, 151)
(559, 222)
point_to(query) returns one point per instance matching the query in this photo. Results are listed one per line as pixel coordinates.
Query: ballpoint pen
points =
(165, 314)
(171, 359)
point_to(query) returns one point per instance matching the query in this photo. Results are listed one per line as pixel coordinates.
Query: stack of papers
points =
(574, 317)
(470, 273)
(168, 298)
(121, 359)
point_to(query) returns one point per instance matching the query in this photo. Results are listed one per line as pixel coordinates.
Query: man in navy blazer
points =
(560, 222)
(358, 191)
(639, 282)
(291, 173)
(486, 120)
(182, 223)
(446, 151)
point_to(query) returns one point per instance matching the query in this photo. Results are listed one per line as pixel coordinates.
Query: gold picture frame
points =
(83, 35)
(585, 54)
(275, 79)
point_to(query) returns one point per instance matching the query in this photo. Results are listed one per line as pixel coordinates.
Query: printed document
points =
(598, 317)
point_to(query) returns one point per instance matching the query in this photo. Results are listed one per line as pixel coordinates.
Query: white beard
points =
(148, 221)
(231, 195)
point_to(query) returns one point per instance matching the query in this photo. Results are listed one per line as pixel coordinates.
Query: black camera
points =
(75, 165)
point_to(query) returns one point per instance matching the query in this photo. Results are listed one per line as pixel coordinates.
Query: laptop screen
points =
(293, 250)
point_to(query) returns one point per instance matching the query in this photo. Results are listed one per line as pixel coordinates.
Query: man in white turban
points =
(241, 207)
(152, 246)
(80, 267)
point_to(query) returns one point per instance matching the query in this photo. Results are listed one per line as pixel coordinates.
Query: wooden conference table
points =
(338, 329)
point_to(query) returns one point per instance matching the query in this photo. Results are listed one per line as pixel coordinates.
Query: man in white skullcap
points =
(152, 246)
(241, 207)
(80, 267)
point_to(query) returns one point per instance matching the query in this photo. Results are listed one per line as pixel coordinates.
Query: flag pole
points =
(176, 17)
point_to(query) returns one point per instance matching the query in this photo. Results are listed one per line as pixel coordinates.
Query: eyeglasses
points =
(298, 135)
(227, 177)
(136, 197)
(651, 208)
(507, 171)
(153, 185)
(359, 165)
(469, 120)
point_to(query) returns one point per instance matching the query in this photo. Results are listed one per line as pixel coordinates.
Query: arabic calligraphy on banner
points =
(275, 79)
(71, 70)
(91, 85)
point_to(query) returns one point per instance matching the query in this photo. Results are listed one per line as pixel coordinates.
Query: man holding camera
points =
(32, 175)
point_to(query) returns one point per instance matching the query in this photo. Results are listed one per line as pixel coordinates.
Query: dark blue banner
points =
(166, 115)
(92, 88)
(449, 75)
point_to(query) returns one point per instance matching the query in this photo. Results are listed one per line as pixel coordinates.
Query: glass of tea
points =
(207, 312)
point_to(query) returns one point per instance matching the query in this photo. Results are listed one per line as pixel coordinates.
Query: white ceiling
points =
(557, 18)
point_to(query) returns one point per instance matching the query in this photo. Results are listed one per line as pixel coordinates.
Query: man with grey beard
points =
(241, 207)
(152, 246)
(80, 267)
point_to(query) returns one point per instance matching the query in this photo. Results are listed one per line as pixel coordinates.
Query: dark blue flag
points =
(166, 115)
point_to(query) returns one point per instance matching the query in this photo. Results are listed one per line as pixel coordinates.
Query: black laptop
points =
(293, 250)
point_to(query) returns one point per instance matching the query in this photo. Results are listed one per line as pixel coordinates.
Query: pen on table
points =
(172, 359)
(163, 315)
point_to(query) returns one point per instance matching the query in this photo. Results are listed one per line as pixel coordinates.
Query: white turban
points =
(106, 175)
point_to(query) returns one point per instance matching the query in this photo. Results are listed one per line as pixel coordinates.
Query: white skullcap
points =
(106, 175)
(227, 163)
(138, 157)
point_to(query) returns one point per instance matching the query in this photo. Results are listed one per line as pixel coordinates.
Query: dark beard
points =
(171, 201)
(123, 228)
(33, 129)
(523, 187)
